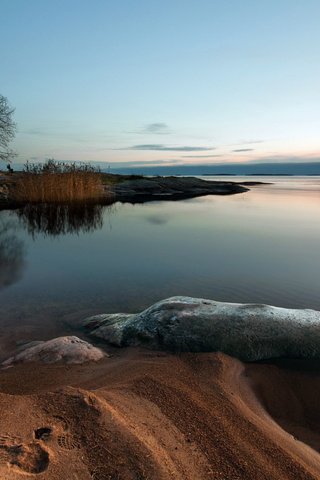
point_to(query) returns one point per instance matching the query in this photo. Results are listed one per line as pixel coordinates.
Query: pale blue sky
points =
(183, 81)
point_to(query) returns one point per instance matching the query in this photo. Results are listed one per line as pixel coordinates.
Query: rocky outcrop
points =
(62, 349)
(246, 331)
(144, 188)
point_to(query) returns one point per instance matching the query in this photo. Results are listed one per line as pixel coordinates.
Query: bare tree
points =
(7, 129)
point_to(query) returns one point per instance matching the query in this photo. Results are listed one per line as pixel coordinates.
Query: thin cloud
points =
(138, 163)
(158, 128)
(247, 142)
(80, 137)
(165, 148)
(202, 156)
(33, 131)
(243, 150)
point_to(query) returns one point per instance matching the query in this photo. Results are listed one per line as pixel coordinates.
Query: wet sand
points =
(147, 415)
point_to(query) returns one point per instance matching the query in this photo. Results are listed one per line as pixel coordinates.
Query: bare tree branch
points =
(7, 129)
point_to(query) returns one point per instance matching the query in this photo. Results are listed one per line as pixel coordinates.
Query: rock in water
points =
(148, 188)
(62, 349)
(246, 331)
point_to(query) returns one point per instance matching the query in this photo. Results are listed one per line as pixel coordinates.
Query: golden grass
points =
(58, 182)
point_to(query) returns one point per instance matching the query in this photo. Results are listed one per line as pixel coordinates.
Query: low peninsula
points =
(125, 188)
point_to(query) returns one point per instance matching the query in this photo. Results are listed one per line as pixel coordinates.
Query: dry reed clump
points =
(58, 182)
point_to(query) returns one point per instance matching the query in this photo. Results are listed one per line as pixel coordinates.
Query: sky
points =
(150, 82)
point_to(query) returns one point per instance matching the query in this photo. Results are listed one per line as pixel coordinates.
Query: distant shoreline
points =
(253, 175)
(304, 169)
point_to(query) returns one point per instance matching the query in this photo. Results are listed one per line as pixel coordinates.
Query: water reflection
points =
(61, 219)
(157, 219)
(11, 254)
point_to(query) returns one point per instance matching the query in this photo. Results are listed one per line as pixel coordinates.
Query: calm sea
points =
(59, 265)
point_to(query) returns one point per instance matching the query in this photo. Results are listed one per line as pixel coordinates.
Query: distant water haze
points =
(145, 168)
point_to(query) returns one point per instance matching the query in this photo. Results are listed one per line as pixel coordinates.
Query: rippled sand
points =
(148, 415)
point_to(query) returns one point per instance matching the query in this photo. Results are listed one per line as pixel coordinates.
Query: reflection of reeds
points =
(61, 219)
(58, 182)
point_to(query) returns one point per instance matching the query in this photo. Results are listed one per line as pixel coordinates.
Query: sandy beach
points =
(152, 415)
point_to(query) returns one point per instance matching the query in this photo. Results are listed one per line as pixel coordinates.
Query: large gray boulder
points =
(69, 349)
(185, 324)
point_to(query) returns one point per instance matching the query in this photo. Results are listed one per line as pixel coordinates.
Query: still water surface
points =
(260, 246)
